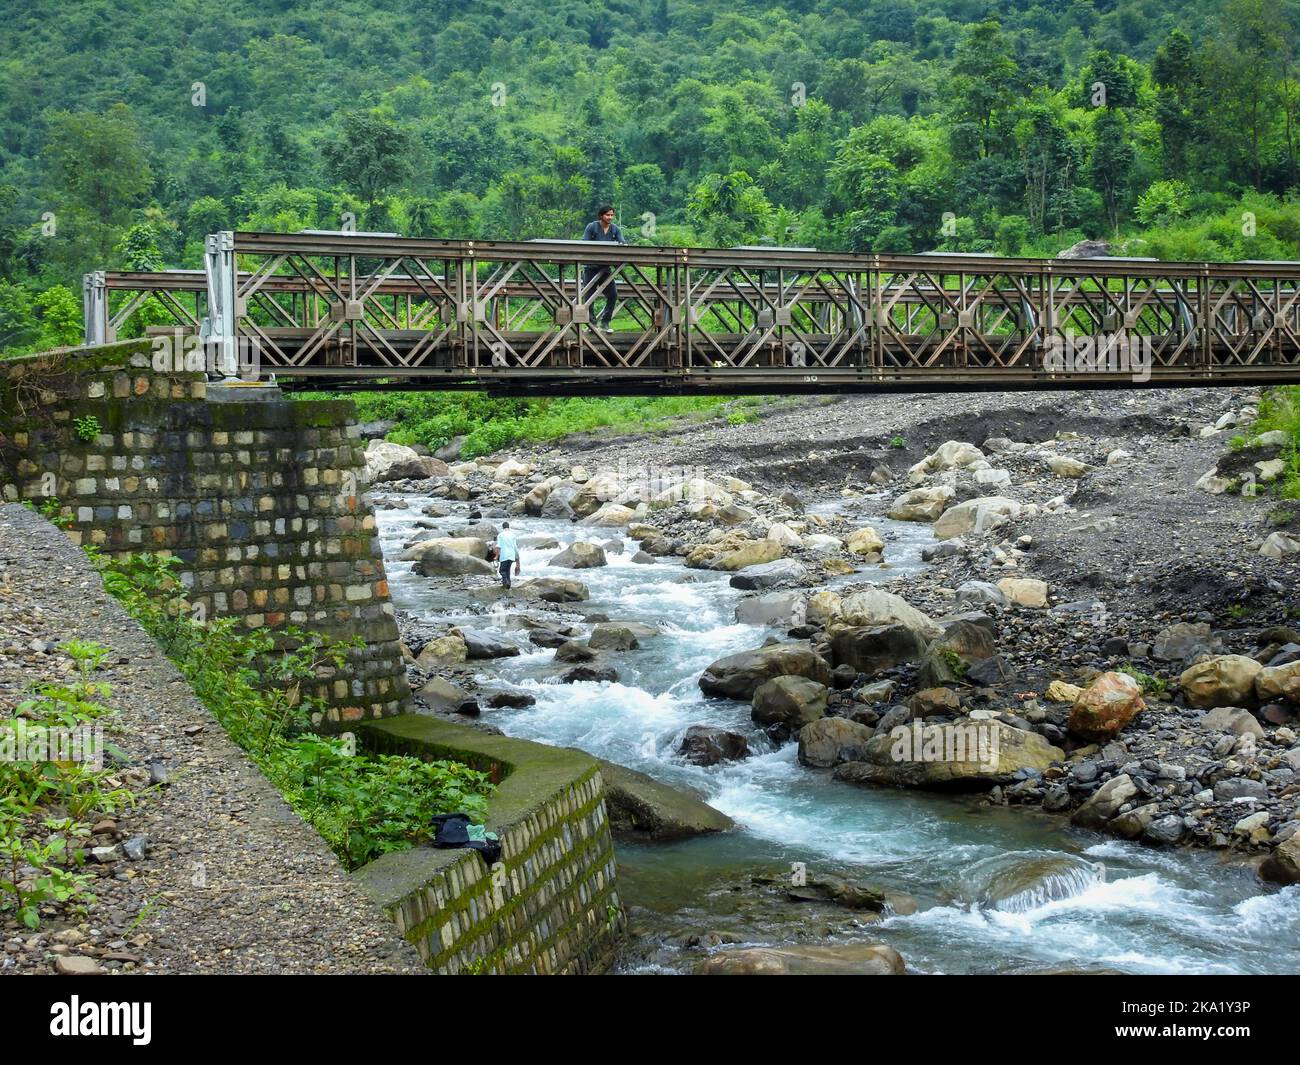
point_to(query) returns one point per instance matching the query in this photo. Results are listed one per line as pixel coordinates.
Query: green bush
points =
(363, 805)
(48, 806)
(1280, 409)
(488, 425)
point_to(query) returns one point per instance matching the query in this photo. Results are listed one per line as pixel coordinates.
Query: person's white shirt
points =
(508, 545)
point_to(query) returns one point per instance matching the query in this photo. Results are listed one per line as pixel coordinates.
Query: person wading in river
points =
(507, 553)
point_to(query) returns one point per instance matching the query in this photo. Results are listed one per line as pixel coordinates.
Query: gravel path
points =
(233, 880)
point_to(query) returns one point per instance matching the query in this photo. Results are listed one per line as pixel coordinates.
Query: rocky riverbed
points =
(1071, 603)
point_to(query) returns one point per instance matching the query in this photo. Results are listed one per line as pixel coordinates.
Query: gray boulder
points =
(440, 562)
(738, 676)
(873, 649)
(707, 745)
(784, 705)
(641, 808)
(772, 608)
(769, 575)
(580, 555)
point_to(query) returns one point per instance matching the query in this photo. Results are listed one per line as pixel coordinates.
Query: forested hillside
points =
(128, 130)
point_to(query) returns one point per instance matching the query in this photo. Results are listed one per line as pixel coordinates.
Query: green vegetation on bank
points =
(48, 805)
(1280, 410)
(364, 805)
(488, 424)
(891, 125)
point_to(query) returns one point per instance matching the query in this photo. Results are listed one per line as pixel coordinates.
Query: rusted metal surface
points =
(350, 310)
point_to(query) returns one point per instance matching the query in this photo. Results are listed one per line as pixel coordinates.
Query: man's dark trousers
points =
(603, 278)
(505, 572)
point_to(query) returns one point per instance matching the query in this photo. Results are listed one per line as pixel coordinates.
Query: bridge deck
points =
(345, 310)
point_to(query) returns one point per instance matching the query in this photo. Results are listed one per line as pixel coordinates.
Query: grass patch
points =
(1150, 685)
(1279, 409)
(364, 805)
(48, 804)
(488, 424)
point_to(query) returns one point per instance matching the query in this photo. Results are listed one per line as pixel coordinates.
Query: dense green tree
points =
(729, 209)
(886, 127)
(369, 154)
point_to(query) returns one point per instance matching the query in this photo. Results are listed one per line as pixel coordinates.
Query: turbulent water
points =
(997, 890)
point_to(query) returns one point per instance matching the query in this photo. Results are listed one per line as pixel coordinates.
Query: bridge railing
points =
(449, 312)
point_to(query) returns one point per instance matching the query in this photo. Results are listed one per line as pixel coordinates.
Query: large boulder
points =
(579, 555)
(784, 705)
(442, 695)
(697, 488)
(1105, 707)
(738, 676)
(955, 454)
(872, 607)
(1283, 865)
(640, 807)
(1024, 591)
(823, 608)
(1278, 682)
(828, 741)
(865, 541)
(439, 561)
(1280, 546)
(1103, 805)
(769, 575)
(1224, 680)
(921, 504)
(450, 650)
(948, 658)
(484, 645)
(1233, 719)
(784, 535)
(975, 516)
(607, 636)
(465, 535)
(512, 468)
(964, 755)
(707, 745)
(465, 545)
(772, 608)
(731, 555)
(536, 498)
(875, 648)
(610, 516)
(558, 502)
(847, 959)
(556, 590)
(603, 487)
(386, 461)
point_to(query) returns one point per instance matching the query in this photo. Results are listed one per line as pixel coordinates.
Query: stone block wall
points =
(551, 906)
(258, 496)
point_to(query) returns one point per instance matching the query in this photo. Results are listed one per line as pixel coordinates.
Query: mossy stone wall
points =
(260, 499)
(551, 906)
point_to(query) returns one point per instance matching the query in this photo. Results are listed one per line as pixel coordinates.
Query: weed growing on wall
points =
(363, 805)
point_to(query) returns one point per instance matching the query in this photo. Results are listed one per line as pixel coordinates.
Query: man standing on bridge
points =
(603, 228)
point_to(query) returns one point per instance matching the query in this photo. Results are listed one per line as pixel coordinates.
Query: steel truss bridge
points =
(354, 310)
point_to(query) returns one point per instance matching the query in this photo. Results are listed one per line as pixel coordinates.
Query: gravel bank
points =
(233, 881)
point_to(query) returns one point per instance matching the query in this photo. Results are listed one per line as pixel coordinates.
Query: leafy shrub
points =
(363, 805)
(46, 805)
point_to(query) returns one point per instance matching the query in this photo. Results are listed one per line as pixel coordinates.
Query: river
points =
(1109, 904)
